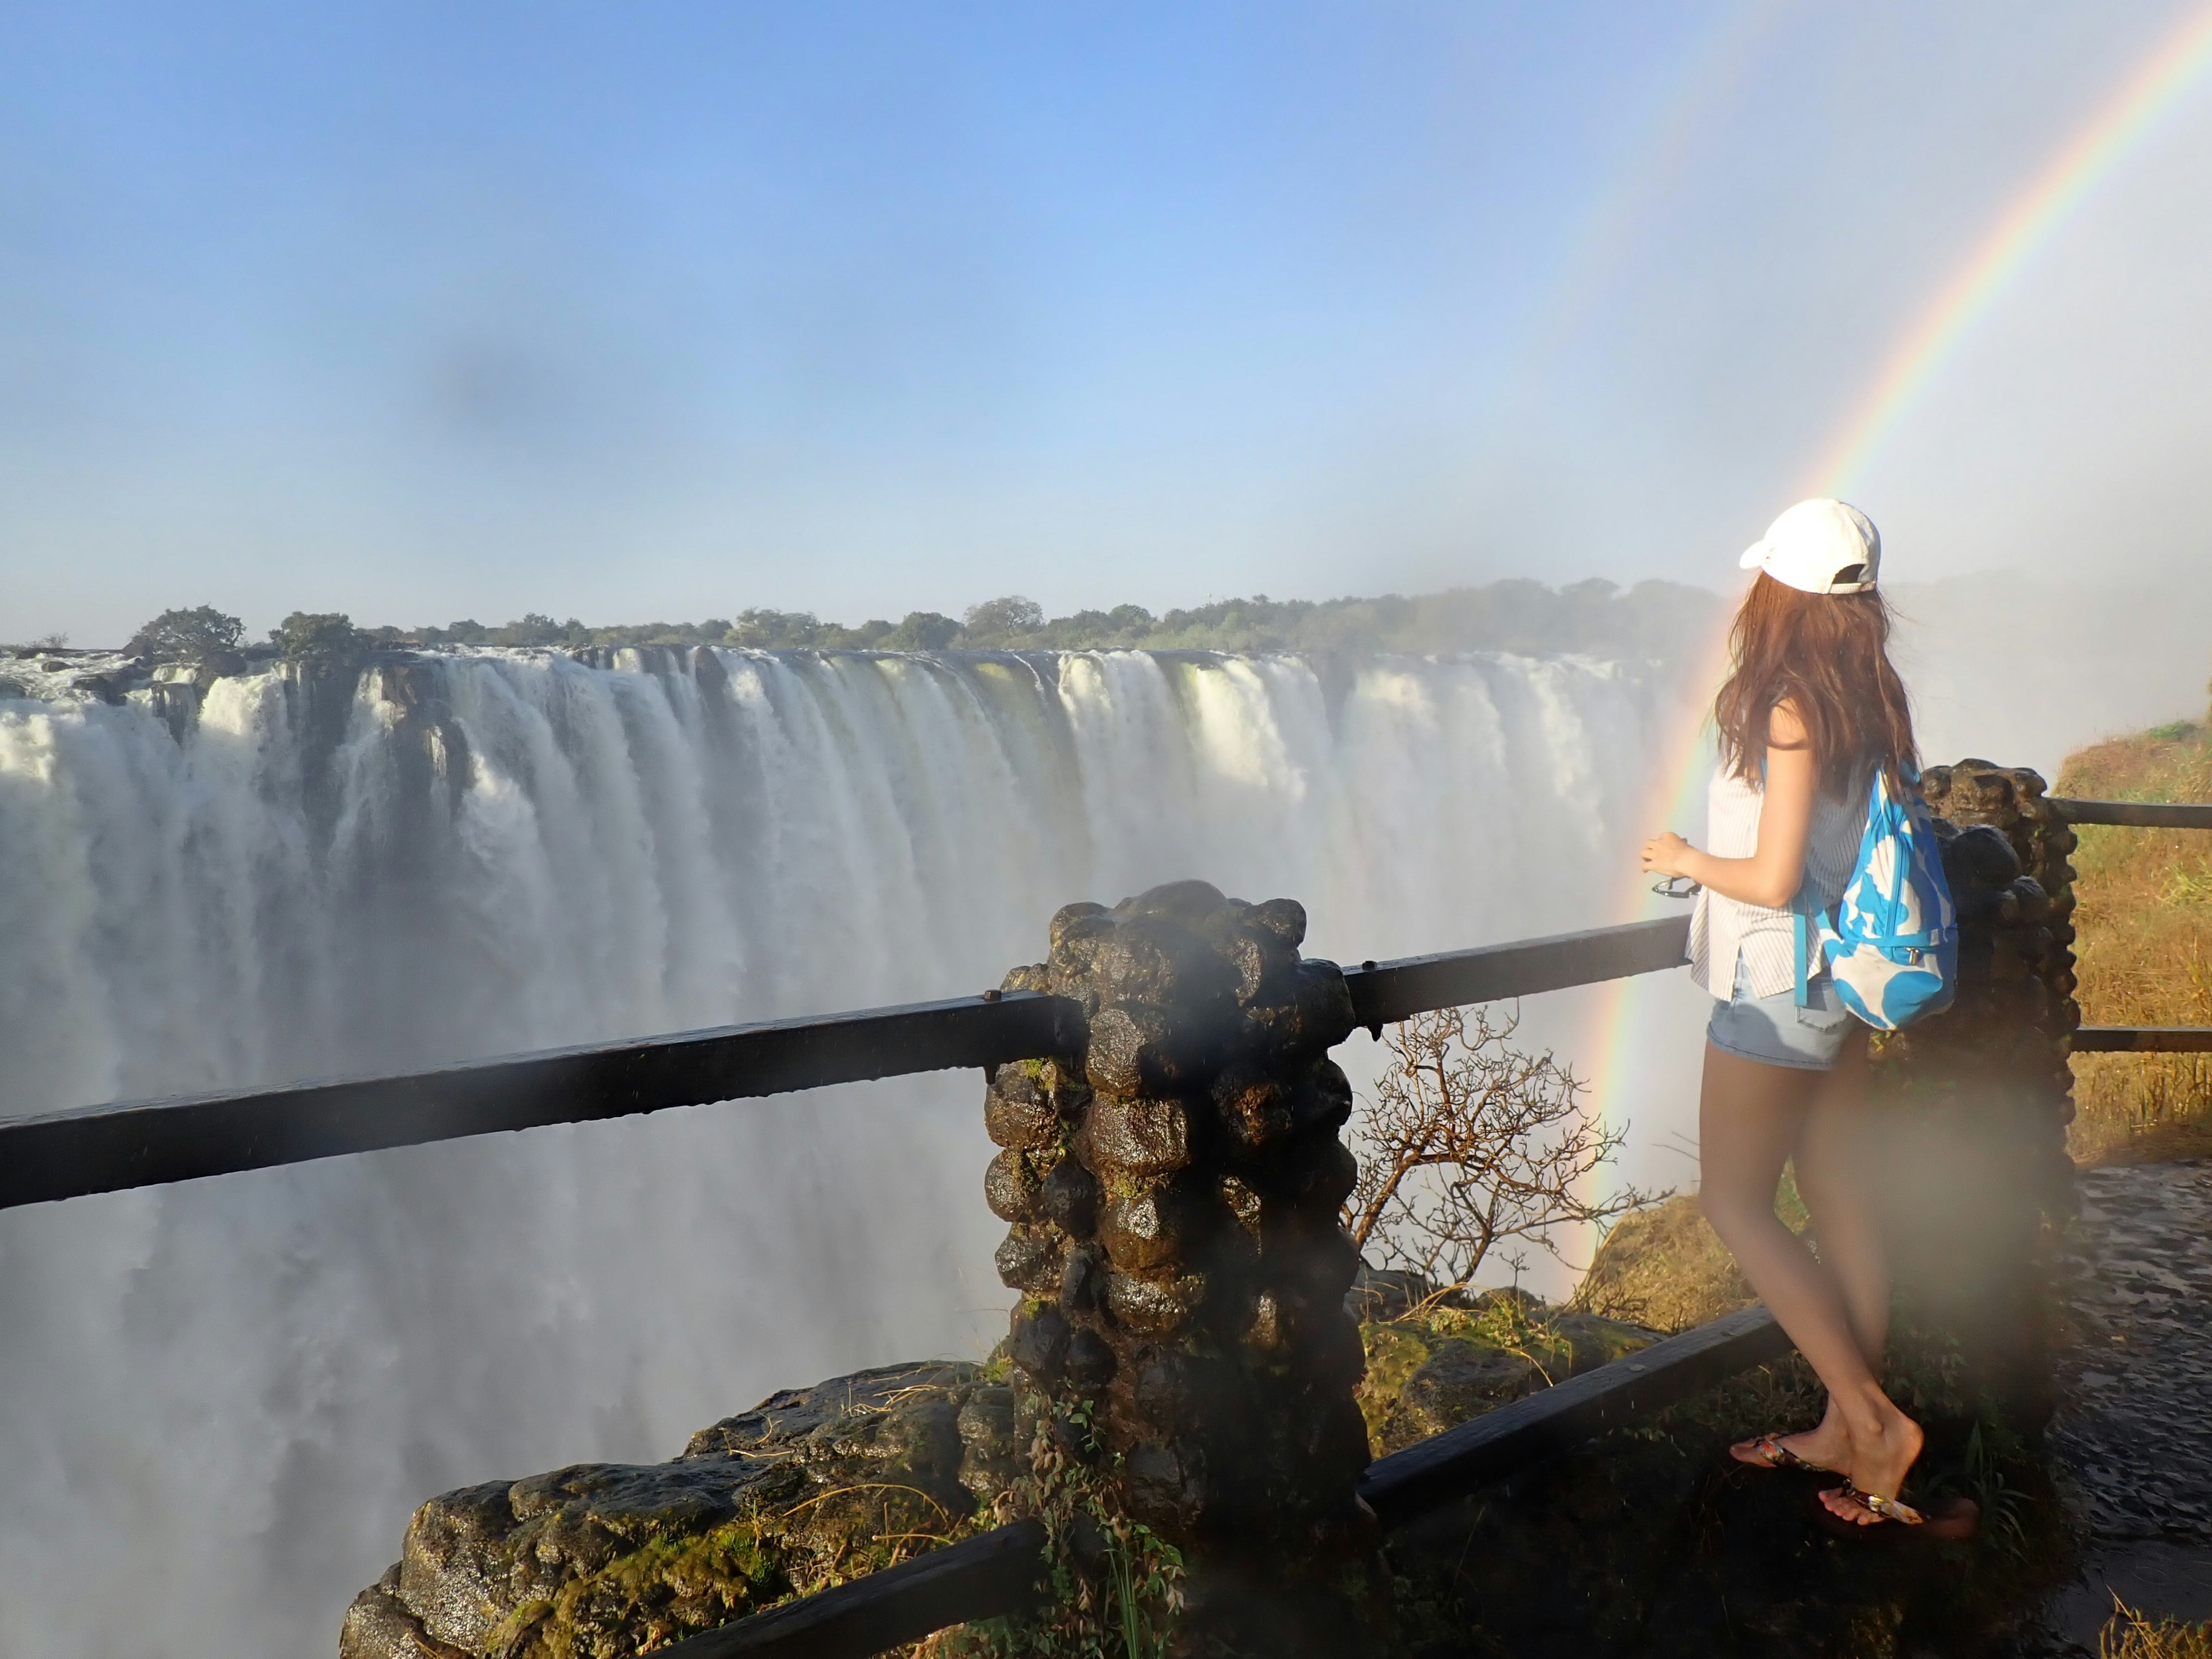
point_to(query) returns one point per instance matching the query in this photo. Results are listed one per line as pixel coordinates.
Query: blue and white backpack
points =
(1891, 941)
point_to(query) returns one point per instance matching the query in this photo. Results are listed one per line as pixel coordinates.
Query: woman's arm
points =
(1770, 876)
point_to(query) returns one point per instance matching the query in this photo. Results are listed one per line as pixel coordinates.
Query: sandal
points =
(1955, 1517)
(1874, 1504)
(1768, 1452)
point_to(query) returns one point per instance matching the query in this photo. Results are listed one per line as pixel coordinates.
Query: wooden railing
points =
(2136, 814)
(998, 1572)
(99, 1149)
(2140, 815)
(106, 1148)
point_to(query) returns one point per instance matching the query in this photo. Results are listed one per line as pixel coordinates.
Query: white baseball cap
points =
(1818, 547)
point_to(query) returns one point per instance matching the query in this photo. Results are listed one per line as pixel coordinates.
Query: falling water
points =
(218, 1402)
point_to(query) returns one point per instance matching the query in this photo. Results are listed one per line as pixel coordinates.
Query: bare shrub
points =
(1468, 1145)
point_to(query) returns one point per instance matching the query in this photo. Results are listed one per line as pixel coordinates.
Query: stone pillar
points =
(2017, 1013)
(1173, 1193)
(1976, 1098)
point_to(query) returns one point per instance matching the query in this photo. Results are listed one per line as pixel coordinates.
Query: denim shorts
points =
(1775, 1031)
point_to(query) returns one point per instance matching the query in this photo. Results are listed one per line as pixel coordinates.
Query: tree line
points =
(1649, 620)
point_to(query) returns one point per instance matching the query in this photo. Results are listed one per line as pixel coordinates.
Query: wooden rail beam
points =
(1385, 992)
(2144, 1040)
(1408, 1484)
(978, 1577)
(2141, 814)
(99, 1149)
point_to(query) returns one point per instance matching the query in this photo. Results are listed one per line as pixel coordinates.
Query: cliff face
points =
(810, 1488)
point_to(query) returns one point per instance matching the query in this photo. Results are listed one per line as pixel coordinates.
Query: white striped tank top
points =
(1724, 930)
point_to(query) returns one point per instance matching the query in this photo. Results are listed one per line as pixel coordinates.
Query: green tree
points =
(774, 631)
(537, 628)
(922, 630)
(996, 622)
(316, 635)
(203, 631)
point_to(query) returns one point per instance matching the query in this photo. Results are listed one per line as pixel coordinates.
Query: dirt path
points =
(2133, 1437)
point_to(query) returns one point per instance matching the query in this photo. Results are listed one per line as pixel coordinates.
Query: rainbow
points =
(2112, 130)
(2084, 161)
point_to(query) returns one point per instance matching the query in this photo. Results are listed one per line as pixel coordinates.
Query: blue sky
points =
(663, 311)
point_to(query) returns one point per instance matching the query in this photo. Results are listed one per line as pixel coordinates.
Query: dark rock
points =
(1267, 1328)
(1162, 1385)
(1317, 1172)
(1069, 1197)
(1018, 1114)
(1137, 1050)
(1084, 920)
(1244, 1206)
(378, 1625)
(1187, 902)
(1333, 1355)
(453, 1565)
(1315, 1017)
(1154, 964)
(1091, 1363)
(1146, 1228)
(616, 1559)
(1254, 1107)
(1137, 1136)
(1038, 1343)
(1154, 1307)
(1321, 1099)
(1011, 1187)
(1163, 1488)
(1036, 976)
(988, 1462)
(1261, 964)
(1029, 1259)
(1285, 918)
(1980, 857)
(1082, 1278)
(792, 1415)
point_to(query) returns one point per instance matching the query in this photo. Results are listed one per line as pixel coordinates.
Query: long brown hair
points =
(1827, 656)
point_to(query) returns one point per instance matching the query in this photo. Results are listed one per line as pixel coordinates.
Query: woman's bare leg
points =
(1750, 1118)
(1834, 1181)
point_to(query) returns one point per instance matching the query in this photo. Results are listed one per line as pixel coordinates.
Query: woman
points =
(1811, 710)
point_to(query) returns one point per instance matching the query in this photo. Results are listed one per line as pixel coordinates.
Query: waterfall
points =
(219, 1401)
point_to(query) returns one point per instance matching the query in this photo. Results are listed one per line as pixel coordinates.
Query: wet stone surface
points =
(2133, 1435)
(2132, 1441)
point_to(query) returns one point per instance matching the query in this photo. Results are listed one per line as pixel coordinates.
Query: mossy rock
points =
(1664, 1266)
(1443, 1362)
(811, 1488)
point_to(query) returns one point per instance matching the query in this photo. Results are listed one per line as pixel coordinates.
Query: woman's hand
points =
(1663, 854)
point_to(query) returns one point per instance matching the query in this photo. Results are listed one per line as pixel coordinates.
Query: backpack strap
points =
(1800, 926)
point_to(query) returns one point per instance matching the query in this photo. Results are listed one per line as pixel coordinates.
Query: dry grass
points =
(2145, 920)
(2131, 1636)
